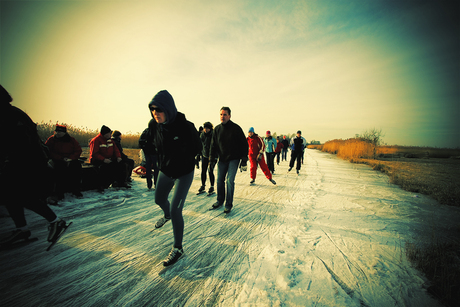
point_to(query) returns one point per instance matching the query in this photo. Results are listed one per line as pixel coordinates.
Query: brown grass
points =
(84, 134)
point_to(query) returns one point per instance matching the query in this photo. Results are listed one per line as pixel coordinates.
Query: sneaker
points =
(272, 181)
(15, 235)
(217, 205)
(289, 169)
(297, 172)
(252, 181)
(227, 209)
(201, 189)
(161, 222)
(173, 256)
(55, 229)
(211, 190)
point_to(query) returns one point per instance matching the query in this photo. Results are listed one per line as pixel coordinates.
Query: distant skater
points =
(298, 145)
(256, 156)
(229, 145)
(278, 149)
(151, 158)
(270, 146)
(284, 151)
(177, 143)
(22, 155)
(207, 166)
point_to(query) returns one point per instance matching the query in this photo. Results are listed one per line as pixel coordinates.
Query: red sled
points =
(140, 170)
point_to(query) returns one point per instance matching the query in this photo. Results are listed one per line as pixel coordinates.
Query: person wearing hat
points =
(298, 145)
(256, 156)
(230, 147)
(284, 150)
(128, 163)
(270, 147)
(65, 151)
(24, 154)
(177, 143)
(207, 166)
(104, 154)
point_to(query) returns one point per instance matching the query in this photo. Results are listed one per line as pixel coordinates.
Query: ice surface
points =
(332, 236)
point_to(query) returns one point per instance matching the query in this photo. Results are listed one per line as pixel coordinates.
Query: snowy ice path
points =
(333, 236)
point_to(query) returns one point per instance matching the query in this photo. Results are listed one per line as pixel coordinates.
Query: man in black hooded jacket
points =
(177, 143)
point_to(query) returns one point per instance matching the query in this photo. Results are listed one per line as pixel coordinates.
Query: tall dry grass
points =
(83, 135)
(350, 149)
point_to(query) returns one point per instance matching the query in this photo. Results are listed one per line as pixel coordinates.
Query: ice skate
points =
(173, 256)
(161, 222)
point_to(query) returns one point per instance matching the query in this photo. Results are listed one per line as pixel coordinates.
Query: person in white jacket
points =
(270, 146)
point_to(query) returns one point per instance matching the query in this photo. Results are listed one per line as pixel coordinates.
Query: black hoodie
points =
(177, 141)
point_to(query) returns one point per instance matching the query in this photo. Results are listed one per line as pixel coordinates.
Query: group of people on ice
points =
(170, 146)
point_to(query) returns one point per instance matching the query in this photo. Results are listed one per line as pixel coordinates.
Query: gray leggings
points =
(174, 208)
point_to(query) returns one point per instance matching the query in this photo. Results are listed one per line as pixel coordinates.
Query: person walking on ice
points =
(207, 166)
(177, 143)
(298, 145)
(256, 156)
(270, 146)
(229, 145)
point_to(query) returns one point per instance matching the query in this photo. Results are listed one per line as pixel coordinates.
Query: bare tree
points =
(373, 136)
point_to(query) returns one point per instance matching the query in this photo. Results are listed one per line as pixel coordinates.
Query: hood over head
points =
(165, 101)
(5, 98)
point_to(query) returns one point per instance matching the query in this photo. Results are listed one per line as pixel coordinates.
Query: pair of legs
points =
(278, 154)
(284, 154)
(151, 164)
(33, 199)
(173, 210)
(207, 170)
(67, 176)
(296, 157)
(226, 173)
(263, 167)
(271, 161)
(111, 172)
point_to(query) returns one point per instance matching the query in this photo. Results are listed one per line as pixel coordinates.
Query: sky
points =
(332, 69)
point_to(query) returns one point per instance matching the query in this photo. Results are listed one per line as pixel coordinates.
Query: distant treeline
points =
(83, 135)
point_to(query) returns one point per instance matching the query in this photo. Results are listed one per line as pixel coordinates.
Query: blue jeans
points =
(226, 169)
(173, 209)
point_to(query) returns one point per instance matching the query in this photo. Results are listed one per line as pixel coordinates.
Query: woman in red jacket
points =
(65, 151)
(256, 156)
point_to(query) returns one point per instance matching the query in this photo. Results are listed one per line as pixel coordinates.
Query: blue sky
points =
(332, 69)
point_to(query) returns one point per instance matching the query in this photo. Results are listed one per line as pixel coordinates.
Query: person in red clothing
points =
(256, 156)
(279, 147)
(105, 155)
(65, 152)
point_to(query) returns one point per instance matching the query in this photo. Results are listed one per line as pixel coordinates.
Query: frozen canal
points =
(333, 236)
